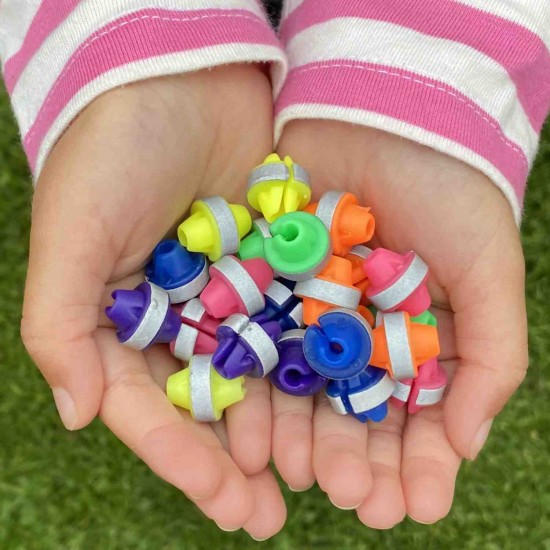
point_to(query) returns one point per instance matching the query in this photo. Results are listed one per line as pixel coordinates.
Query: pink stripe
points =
(142, 35)
(50, 14)
(409, 97)
(521, 52)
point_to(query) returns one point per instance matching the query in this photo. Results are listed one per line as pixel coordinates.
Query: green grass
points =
(86, 490)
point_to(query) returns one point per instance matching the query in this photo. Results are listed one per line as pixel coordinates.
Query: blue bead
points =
(283, 313)
(341, 347)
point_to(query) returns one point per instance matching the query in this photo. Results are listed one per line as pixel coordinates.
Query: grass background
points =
(86, 490)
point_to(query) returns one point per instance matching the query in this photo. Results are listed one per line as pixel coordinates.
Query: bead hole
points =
(166, 247)
(290, 232)
(335, 347)
(292, 378)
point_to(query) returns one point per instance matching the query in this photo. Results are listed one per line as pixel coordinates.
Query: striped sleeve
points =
(58, 55)
(470, 78)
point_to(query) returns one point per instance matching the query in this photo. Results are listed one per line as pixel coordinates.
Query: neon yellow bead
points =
(280, 194)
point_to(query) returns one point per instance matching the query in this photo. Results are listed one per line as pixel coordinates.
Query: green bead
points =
(425, 318)
(300, 246)
(253, 245)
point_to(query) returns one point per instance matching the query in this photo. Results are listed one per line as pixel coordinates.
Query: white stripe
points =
(534, 15)
(47, 64)
(373, 396)
(337, 404)
(396, 126)
(474, 74)
(289, 6)
(430, 396)
(148, 68)
(15, 19)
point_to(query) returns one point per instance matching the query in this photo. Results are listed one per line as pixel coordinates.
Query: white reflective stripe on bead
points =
(262, 225)
(329, 292)
(301, 174)
(191, 289)
(278, 293)
(227, 226)
(379, 319)
(242, 282)
(297, 314)
(264, 348)
(152, 320)
(428, 397)
(193, 310)
(402, 365)
(237, 322)
(327, 206)
(337, 404)
(186, 339)
(201, 389)
(361, 251)
(294, 334)
(268, 172)
(371, 397)
(401, 391)
(403, 287)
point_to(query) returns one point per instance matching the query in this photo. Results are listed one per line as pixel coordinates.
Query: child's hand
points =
(117, 182)
(462, 226)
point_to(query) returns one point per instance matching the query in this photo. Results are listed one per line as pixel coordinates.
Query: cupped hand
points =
(118, 181)
(463, 227)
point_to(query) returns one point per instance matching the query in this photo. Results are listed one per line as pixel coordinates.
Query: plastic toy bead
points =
(299, 248)
(236, 287)
(330, 288)
(397, 282)
(252, 246)
(143, 316)
(281, 305)
(357, 256)
(246, 347)
(215, 227)
(181, 273)
(202, 391)
(341, 346)
(348, 223)
(197, 334)
(293, 375)
(367, 314)
(364, 396)
(425, 390)
(278, 187)
(401, 346)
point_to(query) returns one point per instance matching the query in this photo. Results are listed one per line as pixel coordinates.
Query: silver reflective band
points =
(152, 320)
(262, 225)
(264, 348)
(301, 174)
(294, 334)
(430, 397)
(329, 292)
(242, 282)
(193, 310)
(227, 226)
(236, 322)
(379, 319)
(401, 391)
(327, 206)
(297, 314)
(372, 397)
(185, 342)
(191, 289)
(200, 388)
(402, 288)
(361, 251)
(307, 275)
(268, 172)
(399, 350)
(337, 404)
(278, 293)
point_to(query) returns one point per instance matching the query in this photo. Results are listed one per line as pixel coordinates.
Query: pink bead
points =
(428, 386)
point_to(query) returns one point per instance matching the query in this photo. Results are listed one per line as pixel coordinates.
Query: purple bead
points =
(143, 316)
(293, 375)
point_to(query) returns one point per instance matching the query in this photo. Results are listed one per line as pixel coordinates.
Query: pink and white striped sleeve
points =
(470, 78)
(58, 55)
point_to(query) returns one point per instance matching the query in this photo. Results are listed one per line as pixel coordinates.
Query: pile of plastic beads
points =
(295, 296)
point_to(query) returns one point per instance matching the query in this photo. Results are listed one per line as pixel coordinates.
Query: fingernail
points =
(480, 438)
(65, 407)
(227, 530)
(345, 508)
(299, 490)
(423, 522)
(258, 540)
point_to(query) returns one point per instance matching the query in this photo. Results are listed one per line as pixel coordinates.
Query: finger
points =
(384, 506)
(491, 334)
(340, 456)
(184, 453)
(292, 439)
(445, 332)
(249, 427)
(269, 509)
